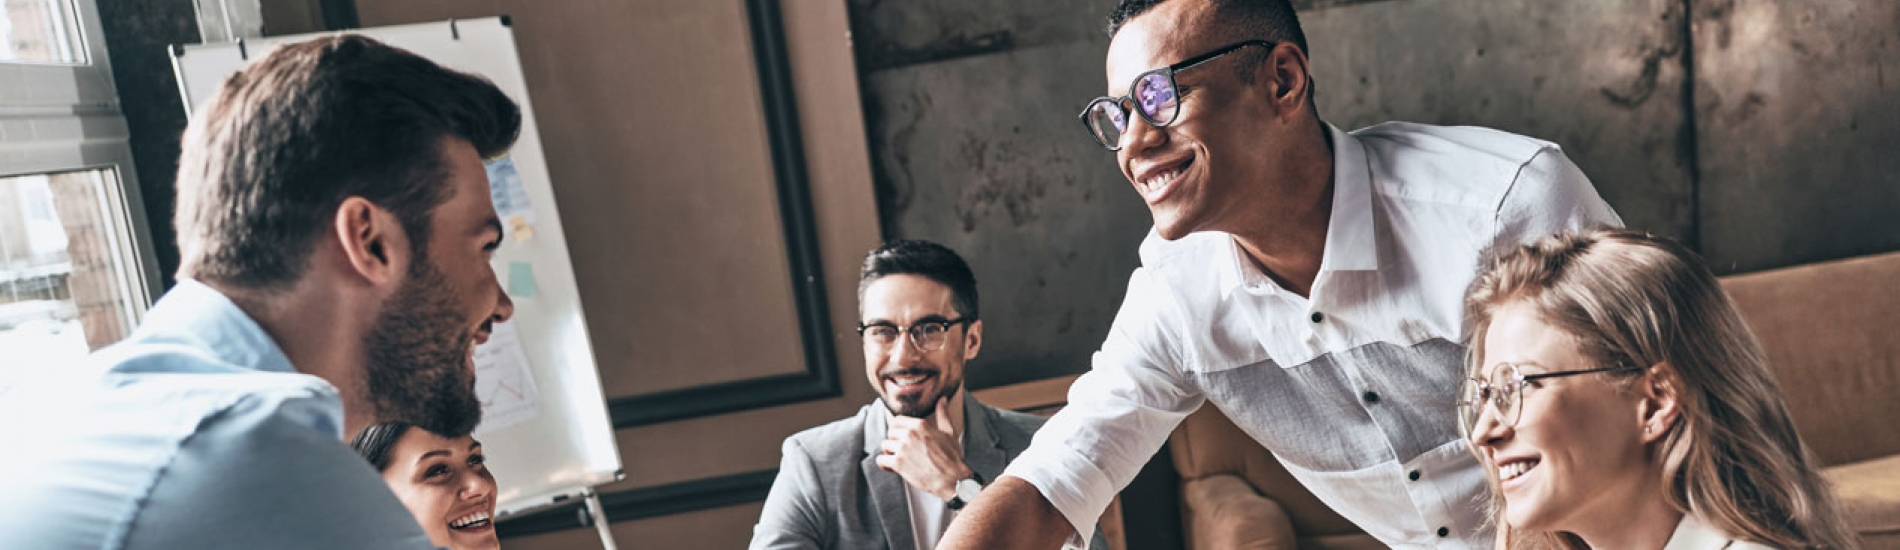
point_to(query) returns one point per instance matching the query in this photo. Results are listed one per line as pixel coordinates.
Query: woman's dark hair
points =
(376, 441)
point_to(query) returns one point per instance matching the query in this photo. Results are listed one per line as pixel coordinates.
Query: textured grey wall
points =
(1603, 79)
(1778, 150)
(1798, 115)
(970, 108)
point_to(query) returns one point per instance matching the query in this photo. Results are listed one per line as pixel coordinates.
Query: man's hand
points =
(923, 451)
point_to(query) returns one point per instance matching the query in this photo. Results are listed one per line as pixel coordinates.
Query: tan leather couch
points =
(1832, 330)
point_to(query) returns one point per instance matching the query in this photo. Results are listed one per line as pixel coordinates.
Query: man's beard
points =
(418, 355)
(926, 405)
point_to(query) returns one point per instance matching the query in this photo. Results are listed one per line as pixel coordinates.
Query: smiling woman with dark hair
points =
(444, 482)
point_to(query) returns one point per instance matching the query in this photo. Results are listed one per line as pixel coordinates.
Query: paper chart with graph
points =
(503, 381)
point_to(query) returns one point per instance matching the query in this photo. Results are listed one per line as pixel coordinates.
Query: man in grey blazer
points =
(894, 475)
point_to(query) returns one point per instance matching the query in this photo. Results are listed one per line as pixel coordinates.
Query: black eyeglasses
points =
(927, 335)
(1155, 95)
(1505, 392)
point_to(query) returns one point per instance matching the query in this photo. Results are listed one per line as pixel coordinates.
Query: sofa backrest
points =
(1832, 331)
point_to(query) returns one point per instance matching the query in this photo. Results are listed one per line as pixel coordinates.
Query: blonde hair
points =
(1626, 297)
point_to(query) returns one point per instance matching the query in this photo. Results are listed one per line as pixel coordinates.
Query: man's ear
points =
(972, 339)
(373, 242)
(1662, 401)
(1288, 78)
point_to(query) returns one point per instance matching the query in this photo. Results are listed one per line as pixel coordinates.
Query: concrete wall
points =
(1797, 110)
(970, 110)
(1757, 131)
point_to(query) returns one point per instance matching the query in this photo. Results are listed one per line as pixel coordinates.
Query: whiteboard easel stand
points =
(598, 516)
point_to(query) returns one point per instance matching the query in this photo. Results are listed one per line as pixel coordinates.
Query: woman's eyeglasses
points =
(1505, 391)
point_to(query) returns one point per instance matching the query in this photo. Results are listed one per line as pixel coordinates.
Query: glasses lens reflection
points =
(1469, 405)
(1108, 121)
(1156, 96)
(1504, 389)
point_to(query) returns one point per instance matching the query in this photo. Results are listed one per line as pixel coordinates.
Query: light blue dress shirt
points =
(194, 432)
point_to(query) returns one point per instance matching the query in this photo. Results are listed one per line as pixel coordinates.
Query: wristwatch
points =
(967, 488)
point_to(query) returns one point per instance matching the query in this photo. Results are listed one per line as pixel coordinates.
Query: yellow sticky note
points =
(520, 227)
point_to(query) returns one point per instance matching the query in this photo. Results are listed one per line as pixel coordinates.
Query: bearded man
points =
(335, 229)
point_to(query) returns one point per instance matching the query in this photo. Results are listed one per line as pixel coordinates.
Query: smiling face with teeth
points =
(446, 485)
(1244, 156)
(909, 379)
(1577, 454)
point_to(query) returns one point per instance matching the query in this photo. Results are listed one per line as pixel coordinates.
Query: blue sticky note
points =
(520, 280)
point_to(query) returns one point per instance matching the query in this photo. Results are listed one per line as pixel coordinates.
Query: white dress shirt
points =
(1353, 389)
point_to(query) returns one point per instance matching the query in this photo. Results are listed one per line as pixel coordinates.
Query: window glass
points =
(64, 284)
(40, 31)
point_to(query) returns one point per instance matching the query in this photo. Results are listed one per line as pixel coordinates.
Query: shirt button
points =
(1443, 532)
(1371, 397)
(1317, 317)
(1413, 475)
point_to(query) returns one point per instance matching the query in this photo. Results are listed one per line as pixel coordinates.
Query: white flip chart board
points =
(545, 426)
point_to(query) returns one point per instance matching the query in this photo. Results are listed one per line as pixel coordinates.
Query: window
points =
(64, 284)
(76, 269)
(40, 31)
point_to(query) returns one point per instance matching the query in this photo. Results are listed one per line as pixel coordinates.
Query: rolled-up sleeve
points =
(1118, 413)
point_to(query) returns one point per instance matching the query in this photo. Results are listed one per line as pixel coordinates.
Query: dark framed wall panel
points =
(819, 379)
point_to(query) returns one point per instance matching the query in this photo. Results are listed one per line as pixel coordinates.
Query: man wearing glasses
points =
(1304, 280)
(896, 474)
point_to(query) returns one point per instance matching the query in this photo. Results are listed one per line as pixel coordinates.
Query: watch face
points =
(968, 488)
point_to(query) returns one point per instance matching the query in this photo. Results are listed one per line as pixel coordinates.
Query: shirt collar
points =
(194, 312)
(1693, 534)
(1351, 244)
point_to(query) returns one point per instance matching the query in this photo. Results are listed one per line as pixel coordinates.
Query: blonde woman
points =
(1617, 400)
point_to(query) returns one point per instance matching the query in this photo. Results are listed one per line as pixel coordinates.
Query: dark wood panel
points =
(819, 380)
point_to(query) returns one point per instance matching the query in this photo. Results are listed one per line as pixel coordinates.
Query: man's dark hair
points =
(270, 158)
(1272, 20)
(376, 441)
(924, 259)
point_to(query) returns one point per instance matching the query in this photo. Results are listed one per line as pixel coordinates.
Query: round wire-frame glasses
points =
(1505, 391)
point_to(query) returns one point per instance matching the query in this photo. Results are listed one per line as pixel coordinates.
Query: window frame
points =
(57, 117)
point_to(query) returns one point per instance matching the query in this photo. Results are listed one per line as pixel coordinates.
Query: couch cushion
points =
(1830, 332)
(1207, 443)
(1870, 492)
(1224, 512)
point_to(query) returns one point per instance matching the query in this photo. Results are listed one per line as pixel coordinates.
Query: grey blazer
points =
(830, 493)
